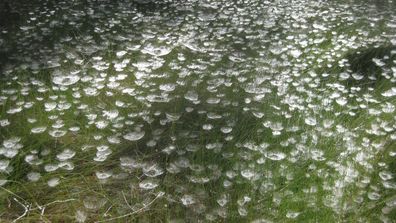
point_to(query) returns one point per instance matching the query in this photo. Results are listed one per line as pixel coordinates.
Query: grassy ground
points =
(328, 175)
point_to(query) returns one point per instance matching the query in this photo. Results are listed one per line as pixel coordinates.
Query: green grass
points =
(77, 186)
(297, 183)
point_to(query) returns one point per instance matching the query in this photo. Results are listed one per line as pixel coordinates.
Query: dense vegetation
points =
(191, 111)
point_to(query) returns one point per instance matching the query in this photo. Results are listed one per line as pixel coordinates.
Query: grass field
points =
(198, 111)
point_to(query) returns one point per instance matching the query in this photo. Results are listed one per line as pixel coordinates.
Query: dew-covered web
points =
(196, 111)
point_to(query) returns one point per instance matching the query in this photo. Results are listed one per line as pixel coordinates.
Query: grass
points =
(298, 183)
(76, 186)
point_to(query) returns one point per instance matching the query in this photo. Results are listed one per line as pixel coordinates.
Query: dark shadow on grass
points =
(361, 60)
(362, 63)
